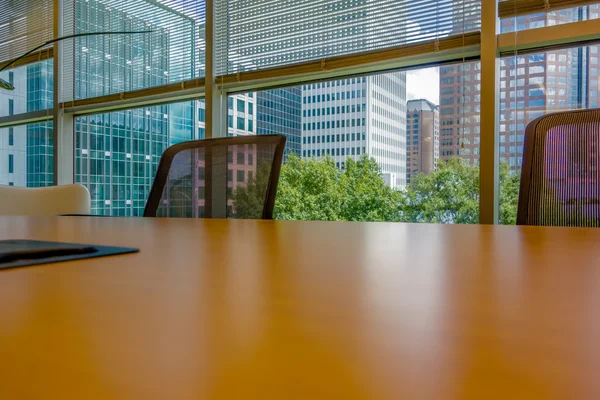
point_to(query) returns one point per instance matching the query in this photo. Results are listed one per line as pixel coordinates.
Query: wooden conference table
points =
(213, 309)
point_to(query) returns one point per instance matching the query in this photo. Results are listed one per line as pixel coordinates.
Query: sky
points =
(423, 83)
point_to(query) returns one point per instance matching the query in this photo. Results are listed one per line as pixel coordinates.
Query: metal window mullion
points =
(63, 124)
(215, 114)
(489, 156)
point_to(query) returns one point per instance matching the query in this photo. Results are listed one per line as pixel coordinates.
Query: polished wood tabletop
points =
(213, 309)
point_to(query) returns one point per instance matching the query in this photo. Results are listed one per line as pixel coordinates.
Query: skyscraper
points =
(422, 138)
(351, 117)
(279, 111)
(459, 111)
(531, 85)
(13, 146)
(116, 154)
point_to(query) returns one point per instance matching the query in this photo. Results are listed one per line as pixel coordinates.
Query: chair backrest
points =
(234, 177)
(44, 201)
(560, 176)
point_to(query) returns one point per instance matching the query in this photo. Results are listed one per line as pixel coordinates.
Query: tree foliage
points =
(249, 200)
(451, 195)
(314, 189)
(448, 195)
(509, 195)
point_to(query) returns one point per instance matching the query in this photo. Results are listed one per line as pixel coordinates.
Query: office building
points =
(116, 154)
(279, 111)
(459, 111)
(13, 141)
(530, 86)
(422, 138)
(352, 117)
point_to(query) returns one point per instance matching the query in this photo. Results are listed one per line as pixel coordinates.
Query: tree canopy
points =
(311, 189)
(314, 189)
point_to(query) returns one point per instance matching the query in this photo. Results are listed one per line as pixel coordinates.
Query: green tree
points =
(366, 196)
(249, 200)
(451, 195)
(313, 189)
(309, 189)
(509, 195)
(448, 195)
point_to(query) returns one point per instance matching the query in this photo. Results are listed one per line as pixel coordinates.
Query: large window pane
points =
(370, 148)
(533, 85)
(26, 155)
(117, 153)
(172, 51)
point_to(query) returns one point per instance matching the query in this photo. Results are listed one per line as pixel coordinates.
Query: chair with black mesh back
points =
(560, 177)
(234, 177)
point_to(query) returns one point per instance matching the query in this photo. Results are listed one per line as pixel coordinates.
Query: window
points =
(11, 163)
(240, 176)
(117, 151)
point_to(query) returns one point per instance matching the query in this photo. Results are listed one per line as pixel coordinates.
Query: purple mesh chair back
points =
(234, 177)
(560, 177)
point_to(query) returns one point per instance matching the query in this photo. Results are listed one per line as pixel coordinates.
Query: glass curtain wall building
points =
(279, 111)
(116, 154)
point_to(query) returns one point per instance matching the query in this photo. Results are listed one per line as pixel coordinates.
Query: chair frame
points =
(164, 166)
(528, 153)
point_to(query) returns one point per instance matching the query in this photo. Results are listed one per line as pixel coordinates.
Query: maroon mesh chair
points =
(560, 177)
(234, 177)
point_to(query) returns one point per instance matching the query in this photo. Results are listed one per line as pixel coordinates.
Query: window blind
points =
(171, 49)
(24, 25)
(513, 8)
(260, 34)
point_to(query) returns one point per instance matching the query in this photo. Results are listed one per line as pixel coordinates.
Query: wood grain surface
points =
(225, 309)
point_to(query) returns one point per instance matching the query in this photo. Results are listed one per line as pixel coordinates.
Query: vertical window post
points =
(63, 127)
(489, 166)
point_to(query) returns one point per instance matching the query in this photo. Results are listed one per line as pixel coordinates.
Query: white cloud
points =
(423, 83)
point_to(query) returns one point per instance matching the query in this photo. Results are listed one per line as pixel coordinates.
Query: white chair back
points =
(45, 201)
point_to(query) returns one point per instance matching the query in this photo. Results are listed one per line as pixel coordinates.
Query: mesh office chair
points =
(560, 177)
(233, 177)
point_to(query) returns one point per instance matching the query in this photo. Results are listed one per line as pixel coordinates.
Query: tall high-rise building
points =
(351, 117)
(13, 147)
(279, 111)
(422, 137)
(459, 111)
(116, 154)
(530, 86)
